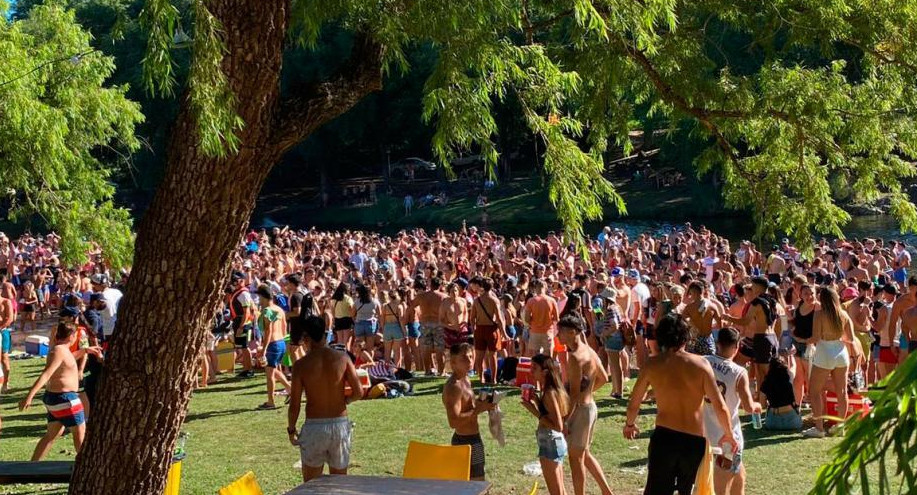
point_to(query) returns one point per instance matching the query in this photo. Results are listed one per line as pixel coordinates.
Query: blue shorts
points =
(413, 330)
(900, 275)
(64, 408)
(551, 445)
(274, 352)
(902, 342)
(364, 329)
(615, 342)
(392, 331)
(7, 341)
(511, 331)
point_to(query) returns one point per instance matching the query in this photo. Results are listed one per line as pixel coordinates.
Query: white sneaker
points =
(813, 432)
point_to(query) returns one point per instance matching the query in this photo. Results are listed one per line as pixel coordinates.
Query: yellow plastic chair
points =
(437, 462)
(246, 485)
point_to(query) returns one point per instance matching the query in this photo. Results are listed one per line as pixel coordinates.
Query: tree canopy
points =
(61, 131)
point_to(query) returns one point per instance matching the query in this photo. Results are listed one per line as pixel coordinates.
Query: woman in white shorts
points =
(833, 332)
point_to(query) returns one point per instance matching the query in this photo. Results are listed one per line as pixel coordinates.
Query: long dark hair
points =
(363, 292)
(340, 291)
(552, 380)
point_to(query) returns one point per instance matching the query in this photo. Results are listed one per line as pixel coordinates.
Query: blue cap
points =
(69, 311)
(461, 282)
(633, 274)
(616, 272)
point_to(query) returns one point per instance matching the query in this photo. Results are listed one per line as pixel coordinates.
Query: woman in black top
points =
(803, 318)
(777, 387)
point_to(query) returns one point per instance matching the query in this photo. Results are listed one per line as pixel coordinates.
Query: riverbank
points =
(520, 207)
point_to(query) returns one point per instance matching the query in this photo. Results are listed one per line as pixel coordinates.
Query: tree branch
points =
(313, 106)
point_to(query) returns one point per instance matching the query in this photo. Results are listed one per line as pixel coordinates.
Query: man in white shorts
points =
(321, 374)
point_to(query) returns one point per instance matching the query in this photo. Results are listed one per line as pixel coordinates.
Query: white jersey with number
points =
(727, 376)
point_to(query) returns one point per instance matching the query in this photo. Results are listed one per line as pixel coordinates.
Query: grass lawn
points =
(229, 437)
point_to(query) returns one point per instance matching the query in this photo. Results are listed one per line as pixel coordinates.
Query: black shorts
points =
(747, 347)
(345, 323)
(242, 340)
(477, 452)
(649, 333)
(674, 457)
(765, 347)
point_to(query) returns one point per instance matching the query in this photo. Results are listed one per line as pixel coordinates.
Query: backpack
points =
(769, 306)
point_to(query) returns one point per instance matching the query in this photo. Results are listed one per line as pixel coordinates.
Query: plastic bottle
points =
(756, 422)
(532, 468)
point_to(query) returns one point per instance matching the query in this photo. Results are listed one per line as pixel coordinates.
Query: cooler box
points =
(524, 372)
(856, 404)
(363, 375)
(226, 356)
(36, 345)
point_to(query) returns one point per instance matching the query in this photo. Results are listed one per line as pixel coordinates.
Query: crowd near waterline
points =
(708, 327)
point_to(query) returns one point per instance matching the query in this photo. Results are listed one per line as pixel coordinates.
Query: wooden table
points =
(35, 472)
(378, 485)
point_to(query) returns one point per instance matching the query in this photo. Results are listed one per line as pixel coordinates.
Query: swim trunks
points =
(674, 457)
(7, 340)
(486, 338)
(477, 452)
(452, 336)
(581, 424)
(242, 338)
(431, 335)
(65, 408)
(274, 352)
(702, 346)
(413, 330)
(326, 441)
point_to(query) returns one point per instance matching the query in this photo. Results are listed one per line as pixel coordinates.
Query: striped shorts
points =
(477, 452)
(65, 408)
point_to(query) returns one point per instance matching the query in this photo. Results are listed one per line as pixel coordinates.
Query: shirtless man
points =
(909, 324)
(700, 313)
(61, 399)
(856, 271)
(453, 319)
(682, 382)
(585, 374)
(326, 433)
(462, 409)
(432, 340)
(901, 305)
(758, 321)
(7, 317)
(776, 266)
(273, 330)
(486, 318)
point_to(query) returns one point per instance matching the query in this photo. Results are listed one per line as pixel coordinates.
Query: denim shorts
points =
(551, 444)
(392, 331)
(615, 342)
(788, 421)
(364, 329)
(413, 330)
(511, 331)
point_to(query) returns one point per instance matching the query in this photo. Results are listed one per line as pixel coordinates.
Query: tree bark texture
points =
(185, 244)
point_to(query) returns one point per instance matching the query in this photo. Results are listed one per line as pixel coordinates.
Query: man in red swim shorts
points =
(486, 316)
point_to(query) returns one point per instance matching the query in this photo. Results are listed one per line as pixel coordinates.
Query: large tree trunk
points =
(185, 244)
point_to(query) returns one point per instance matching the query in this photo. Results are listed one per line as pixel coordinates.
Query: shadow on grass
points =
(26, 431)
(761, 438)
(634, 463)
(217, 388)
(212, 414)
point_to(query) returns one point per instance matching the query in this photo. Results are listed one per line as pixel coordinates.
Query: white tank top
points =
(727, 376)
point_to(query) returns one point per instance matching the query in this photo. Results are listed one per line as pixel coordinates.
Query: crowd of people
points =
(708, 326)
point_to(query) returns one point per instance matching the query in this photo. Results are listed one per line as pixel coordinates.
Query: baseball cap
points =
(461, 282)
(69, 312)
(849, 293)
(96, 296)
(632, 273)
(237, 276)
(616, 272)
(99, 279)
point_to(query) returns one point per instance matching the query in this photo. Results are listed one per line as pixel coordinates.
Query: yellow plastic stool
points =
(437, 462)
(246, 485)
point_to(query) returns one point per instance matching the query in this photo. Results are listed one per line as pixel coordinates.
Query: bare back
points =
(428, 303)
(322, 374)
(678, 380)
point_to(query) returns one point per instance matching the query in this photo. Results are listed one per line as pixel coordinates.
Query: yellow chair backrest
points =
(437, 462)
(246, 485)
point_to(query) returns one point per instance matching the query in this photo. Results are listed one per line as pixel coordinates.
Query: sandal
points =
(267, 407)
